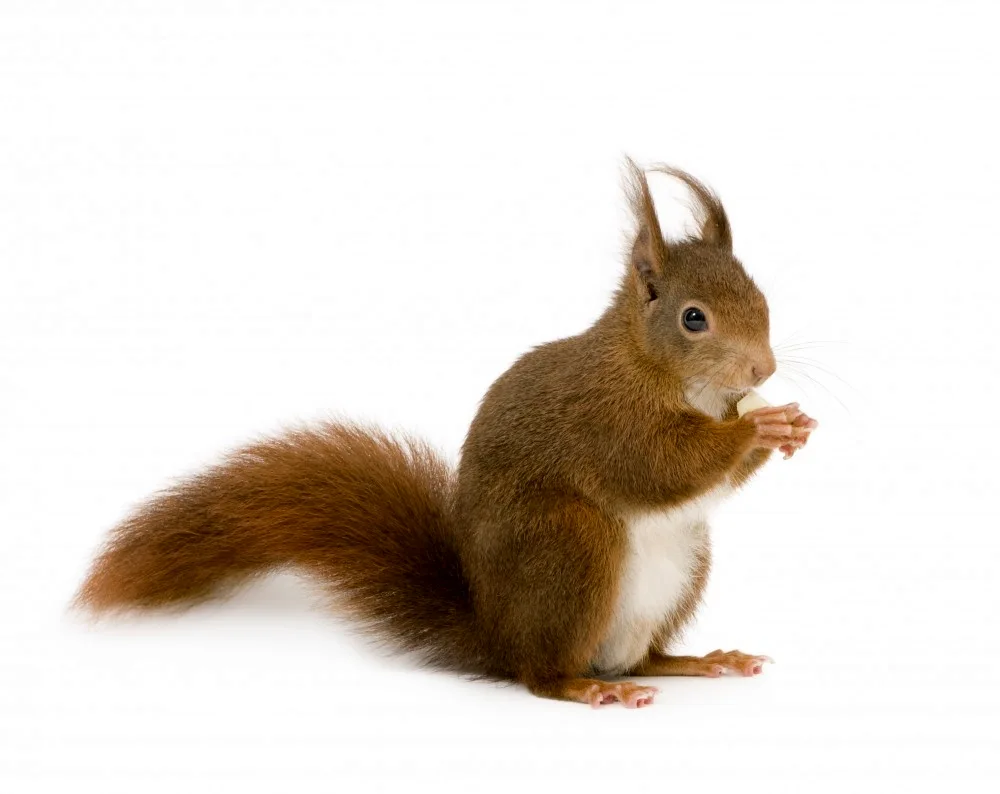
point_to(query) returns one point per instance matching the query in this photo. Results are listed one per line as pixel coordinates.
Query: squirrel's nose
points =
(763, 370)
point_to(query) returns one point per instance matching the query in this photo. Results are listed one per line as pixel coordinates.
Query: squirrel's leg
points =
(802, 425)
(689, 453)
(711, 665)
(548, 586)
(756, 458)
(745, 469)
(596, 693)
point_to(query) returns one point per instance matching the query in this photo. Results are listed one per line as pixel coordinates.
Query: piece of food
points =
(751, 402)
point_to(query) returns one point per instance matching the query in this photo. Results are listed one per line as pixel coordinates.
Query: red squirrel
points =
(571, 543)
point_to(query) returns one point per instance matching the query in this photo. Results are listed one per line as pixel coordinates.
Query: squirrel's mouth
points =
(708, 384)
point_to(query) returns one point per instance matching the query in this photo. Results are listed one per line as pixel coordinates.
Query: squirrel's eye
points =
(695, 319)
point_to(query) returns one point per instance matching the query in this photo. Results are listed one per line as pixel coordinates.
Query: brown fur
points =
(365, 513)
(511, 566)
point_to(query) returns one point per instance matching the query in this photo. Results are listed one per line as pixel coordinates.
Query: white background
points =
(219, 218)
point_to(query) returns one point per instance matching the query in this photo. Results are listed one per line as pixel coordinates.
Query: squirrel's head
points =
(694, 308)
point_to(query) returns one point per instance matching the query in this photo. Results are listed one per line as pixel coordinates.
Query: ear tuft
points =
(712, 219)
(649, 251)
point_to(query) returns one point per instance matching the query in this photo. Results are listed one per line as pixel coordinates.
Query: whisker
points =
(806, 345)
(710, 380)
(821, 385)
(714, 372)
(808, 362)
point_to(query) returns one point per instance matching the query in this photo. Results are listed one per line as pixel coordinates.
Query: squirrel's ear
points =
(648, 257)
(712, 220)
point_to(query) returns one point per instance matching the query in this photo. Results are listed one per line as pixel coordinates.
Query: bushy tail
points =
(365, 513)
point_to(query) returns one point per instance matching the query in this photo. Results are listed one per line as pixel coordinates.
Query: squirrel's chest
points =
(665, 552)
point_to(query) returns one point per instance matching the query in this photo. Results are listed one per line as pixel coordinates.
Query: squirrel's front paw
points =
(781, 427)
(804, 423)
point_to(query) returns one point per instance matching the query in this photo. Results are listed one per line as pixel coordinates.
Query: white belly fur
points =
(662, 556)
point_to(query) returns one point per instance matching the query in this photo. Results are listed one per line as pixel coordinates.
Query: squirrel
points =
(571, 543)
